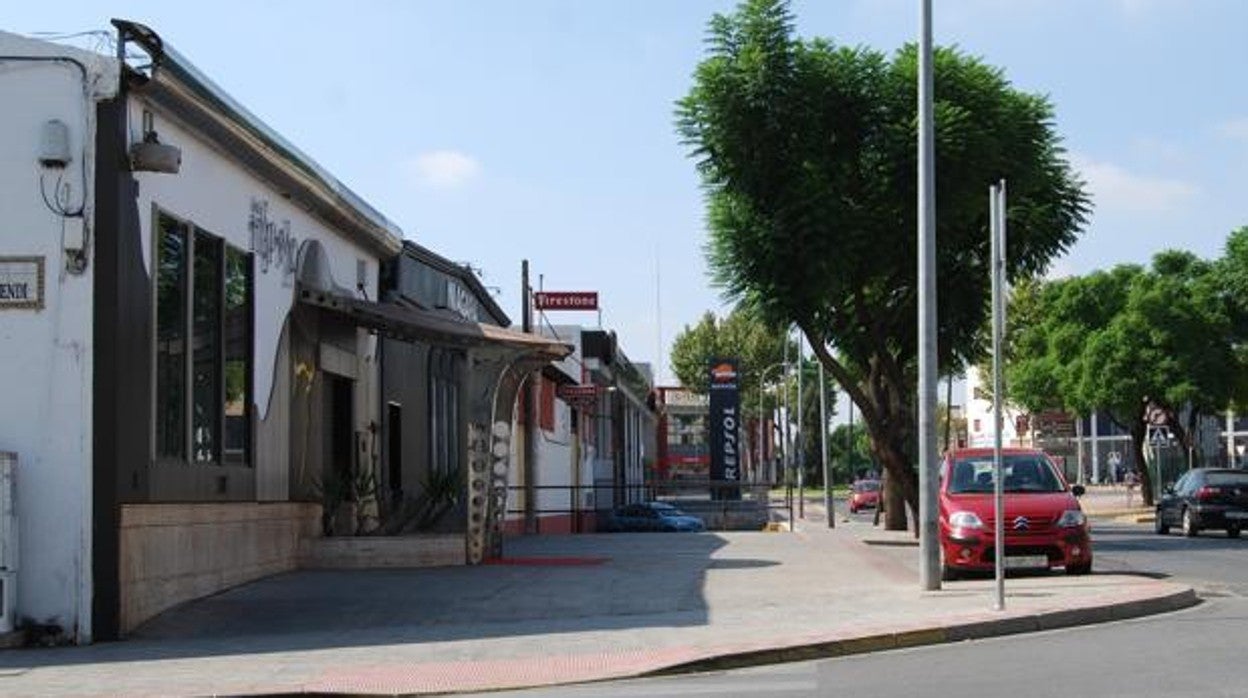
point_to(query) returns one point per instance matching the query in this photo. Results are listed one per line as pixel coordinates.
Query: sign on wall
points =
(581, 397)
(565, 300)
(21, 283)
(275, 246)
(725, 424)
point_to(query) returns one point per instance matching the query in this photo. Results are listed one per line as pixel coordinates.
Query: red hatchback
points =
(1044, 525)
(864, 494)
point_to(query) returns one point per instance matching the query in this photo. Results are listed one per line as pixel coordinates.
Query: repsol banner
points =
(725, 431)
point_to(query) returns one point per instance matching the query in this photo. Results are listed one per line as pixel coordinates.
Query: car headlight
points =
(965, 519)
(1071, 518)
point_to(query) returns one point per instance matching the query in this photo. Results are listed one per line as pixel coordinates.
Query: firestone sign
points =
(725, 423)
(565, 300)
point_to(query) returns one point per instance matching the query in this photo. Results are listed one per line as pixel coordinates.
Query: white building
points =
(980, 421)
(165, 387)
(189, 316)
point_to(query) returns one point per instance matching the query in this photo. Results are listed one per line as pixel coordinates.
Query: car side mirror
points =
(1078, 490)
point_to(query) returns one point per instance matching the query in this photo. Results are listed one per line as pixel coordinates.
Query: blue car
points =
(652, 516)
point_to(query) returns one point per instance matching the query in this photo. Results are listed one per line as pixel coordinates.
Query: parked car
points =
(864, 494)
(652, 516)
(1044, 524)
(1205, 498)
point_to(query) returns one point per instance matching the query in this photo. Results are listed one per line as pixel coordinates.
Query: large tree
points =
(808, 157)
(742, 334)
(1130, 341)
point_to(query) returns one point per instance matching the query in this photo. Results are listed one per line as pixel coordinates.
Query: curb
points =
(957, 632)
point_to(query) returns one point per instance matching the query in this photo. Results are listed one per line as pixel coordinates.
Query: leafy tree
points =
(742, 334)
(808, 154)
(1127, 340)
(1232, 280)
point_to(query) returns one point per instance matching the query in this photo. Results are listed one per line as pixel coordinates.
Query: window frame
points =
(187, 459)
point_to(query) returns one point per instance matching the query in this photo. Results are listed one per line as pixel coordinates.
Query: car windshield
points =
(872, 486)
(1020, 473)
(1227, 479)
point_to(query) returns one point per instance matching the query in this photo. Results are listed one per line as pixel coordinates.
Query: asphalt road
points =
(1196, 652)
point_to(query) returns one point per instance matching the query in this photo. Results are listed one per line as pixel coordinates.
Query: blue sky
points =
(542, 129)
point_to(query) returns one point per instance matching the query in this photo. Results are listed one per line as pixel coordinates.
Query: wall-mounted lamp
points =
(151, 155)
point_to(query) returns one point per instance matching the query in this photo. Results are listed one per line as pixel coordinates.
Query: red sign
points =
(565, 300)
(578, 394)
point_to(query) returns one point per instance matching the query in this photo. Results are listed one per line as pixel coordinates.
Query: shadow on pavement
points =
(645, 580)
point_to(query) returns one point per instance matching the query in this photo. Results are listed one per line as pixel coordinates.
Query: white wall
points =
(215, 194)
(979, 410)
(46, 364)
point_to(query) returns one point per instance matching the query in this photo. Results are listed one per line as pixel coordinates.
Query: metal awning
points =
(409, 324)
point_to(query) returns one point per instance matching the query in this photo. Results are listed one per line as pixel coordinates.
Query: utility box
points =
(8, 541)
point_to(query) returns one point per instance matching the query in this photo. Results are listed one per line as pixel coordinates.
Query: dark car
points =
(652, 516)
(1205, 498)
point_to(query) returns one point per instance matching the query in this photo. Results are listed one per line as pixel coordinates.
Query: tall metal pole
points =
(1081, 479)
(929, 550)
(849, 457)
(787, 453)
(829, 506)
(1096, 451)
(996, 209)
(801, 434)
(530, 418)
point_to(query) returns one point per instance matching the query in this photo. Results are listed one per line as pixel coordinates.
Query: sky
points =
(496, 131)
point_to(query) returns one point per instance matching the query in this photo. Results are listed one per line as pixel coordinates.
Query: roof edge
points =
(190, 92)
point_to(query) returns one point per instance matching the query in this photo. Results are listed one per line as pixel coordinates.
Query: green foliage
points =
(743, 334)
(1120, 339)
(808, 153)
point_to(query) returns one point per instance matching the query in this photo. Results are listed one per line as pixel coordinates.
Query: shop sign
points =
(461, 301)
(725, 421)
(272, 241)
(580, 396)
(565, 300)
(21, 283)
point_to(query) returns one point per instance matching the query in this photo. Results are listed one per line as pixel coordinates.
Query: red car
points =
(1044, 525)
(864, 494)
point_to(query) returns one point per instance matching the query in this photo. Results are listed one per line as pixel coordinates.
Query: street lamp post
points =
(762, 380)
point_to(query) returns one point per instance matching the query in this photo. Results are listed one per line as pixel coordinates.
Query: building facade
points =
(194, 362)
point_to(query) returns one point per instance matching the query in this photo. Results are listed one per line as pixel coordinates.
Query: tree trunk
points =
(889, 419)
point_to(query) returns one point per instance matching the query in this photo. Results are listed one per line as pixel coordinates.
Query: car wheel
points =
(1232, 531)
(1081, 568)
(1190, 529)
(1160, 526)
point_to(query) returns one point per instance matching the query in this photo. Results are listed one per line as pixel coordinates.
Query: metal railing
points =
(723, 505)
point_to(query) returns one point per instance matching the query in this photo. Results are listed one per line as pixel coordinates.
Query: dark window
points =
(238, 343)
(171, 297)
(1226, 479)
(204, 300)
(206, 405)
(444, 409)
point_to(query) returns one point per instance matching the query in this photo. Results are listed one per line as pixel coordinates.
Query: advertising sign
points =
(565, 300)
(579, 396)
(725, 425)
